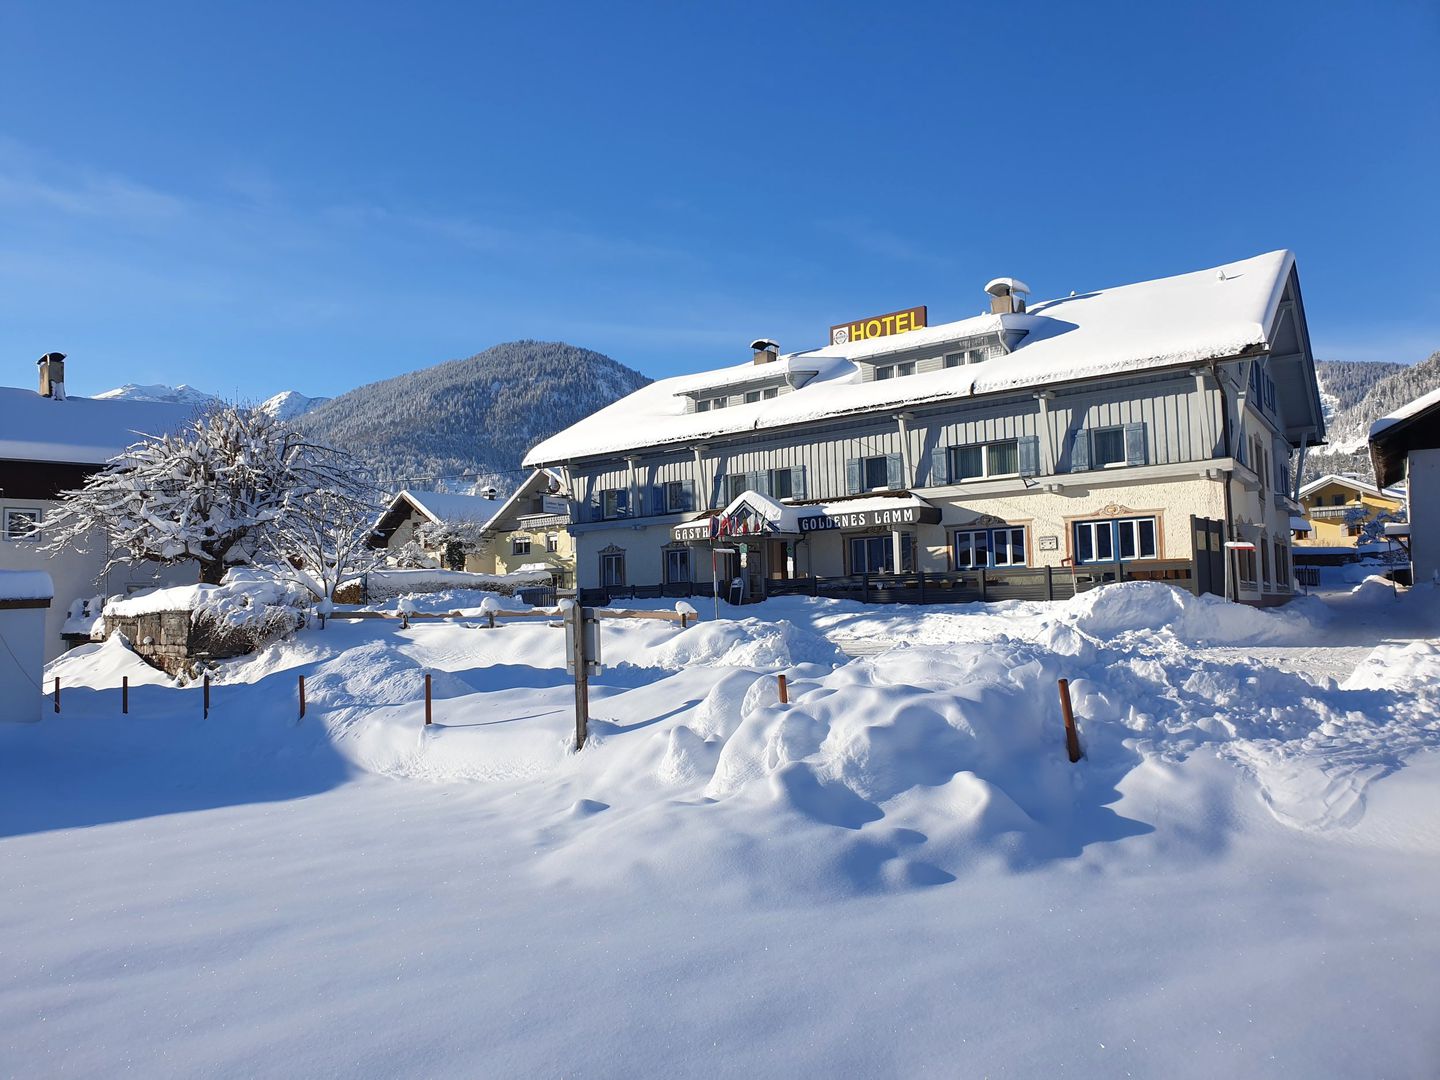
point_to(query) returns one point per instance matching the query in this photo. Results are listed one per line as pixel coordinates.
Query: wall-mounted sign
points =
(897, 322)
(554, 504)
(870, 519)
(1049, 543)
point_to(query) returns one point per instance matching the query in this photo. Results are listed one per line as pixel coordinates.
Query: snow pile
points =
(382, 585)
(1149, 607)
(746, 643)
(103, 664)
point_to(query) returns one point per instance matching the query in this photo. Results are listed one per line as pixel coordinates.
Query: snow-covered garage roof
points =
(80, 431)
(1208, 314)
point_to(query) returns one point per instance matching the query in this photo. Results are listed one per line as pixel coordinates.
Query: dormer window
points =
(895, 371)
(707, 404)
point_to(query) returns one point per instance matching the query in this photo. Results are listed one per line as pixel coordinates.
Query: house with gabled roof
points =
(1405, 445)
(455, 523)
(1337, 509)
(50, 443)
(1140, 430)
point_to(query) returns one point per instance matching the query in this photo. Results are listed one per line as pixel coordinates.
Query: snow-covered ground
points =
(898, 873)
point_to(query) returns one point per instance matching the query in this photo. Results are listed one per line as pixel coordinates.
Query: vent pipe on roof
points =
(52, 375)
(1007, 296)
(766, 351)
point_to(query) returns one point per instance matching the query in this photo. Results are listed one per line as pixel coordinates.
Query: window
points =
(1337, 500)
(520, 545)
(752, 396)
(961, 357)
(22, 523)
(612, 568)
(877, 473)
(985, 459)
(886, 471)
(677, 565)
(552, 543)
(1245, 562)
(989, 547)
(615, 502)
(706, 404)
(876, 554)
(679, 496)
(770, 392)
(895, 371)
(780, 484)
(1109, 447)
(1123, 538)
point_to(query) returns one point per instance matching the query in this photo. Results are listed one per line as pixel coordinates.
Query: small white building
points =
(460, 515)
(1406, 446)
(24, 601)
(50, 442)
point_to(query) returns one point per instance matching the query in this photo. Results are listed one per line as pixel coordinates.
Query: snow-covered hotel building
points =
(1141, 430)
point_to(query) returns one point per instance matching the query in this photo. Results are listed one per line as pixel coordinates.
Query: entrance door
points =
(755, 570)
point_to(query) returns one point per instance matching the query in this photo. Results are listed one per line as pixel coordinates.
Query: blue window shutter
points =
(797, 482)
(655, 500)
(852, 476)
(1135, 444)
(687, 495)
(894, 470)
(760, 482)
(1029, 454)
(940, 465)
(1080, 451)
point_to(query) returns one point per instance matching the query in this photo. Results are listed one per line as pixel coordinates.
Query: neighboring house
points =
(1406, 446)
(50, 443)
(530, 531)
(1337, 509)
(458, 522)
(1129, 431)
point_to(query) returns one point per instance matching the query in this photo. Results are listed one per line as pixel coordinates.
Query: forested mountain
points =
(467, 423)
(1355, 395)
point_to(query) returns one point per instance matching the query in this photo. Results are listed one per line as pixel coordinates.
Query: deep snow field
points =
(898, 873)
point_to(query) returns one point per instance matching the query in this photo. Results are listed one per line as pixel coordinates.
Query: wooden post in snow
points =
(302, 697)
(1072, 737)
(57, 693)
(207, 696)
(784, 690)
(125, 695)
(580, 657)
(428, 719)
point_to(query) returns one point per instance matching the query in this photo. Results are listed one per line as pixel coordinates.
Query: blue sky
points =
(255, 197)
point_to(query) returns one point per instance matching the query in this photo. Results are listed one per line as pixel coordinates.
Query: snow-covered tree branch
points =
(210, 493)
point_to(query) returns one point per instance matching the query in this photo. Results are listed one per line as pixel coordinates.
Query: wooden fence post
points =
(57, 693)
(784, 690)
(302, 697)
(1049, 582)
(207, 696)
(427, 700)
(1072, 738)
(125, 694)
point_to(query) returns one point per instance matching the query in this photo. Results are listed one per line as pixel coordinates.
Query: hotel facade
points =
(1139, 431)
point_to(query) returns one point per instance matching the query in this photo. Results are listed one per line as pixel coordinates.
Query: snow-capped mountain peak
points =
(178, 395)
(290, 403)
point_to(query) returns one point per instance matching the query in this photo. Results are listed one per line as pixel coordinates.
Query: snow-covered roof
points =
(77, 430)
(1351, 482)
(26, 585)
(1189, 318)
(1405, 412)
(441, 506)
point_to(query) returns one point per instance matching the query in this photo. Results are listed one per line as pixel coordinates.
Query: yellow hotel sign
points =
(897, 322)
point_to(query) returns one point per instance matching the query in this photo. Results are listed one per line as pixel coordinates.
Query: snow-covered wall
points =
(1425, 514)
(24, 600)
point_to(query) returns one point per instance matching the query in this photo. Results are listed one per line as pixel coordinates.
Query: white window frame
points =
(674, 505)
(609, 560)
(964, 539)
(552, 542)
(32, 515)
(1112, 529)
(674, 553)
(1095, 434)
(985, 473)
(521, 544)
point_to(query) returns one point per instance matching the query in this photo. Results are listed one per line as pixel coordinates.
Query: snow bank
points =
(747, 643)
(1141, 606)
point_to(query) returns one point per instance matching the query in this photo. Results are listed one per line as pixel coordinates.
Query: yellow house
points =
(1337, 508)
(530, 531)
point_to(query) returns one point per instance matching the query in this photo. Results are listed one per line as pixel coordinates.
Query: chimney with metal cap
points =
(52, 375)
(1007, 296)
(766, 351)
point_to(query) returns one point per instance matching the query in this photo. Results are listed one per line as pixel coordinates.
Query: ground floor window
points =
(876, 554)
(1245, 566)
(520, 544)
(612, 568)
(677, 565)
(21, 523)
(1120, 538)
(989, 547)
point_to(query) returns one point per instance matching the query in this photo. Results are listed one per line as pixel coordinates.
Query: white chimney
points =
(52, 375)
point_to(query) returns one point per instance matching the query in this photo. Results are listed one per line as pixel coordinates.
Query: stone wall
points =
(174, 643)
